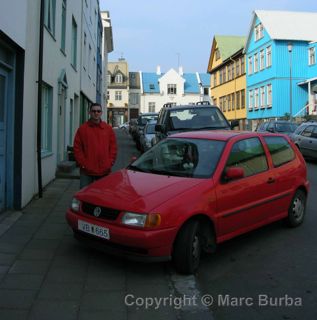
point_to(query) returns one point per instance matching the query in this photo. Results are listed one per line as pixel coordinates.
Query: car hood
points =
(135, 191)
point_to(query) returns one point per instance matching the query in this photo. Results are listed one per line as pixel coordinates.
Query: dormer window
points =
(171, 89)
(152, 86)
(118, 78)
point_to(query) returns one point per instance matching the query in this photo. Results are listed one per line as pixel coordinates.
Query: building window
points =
(118, 78)
(312, 57)
(171, 89)
(108, 96)
(89, 60)
(151, 106)
(47, 96)
(134, 98)
(229, 102)
(258, 32)
(215, 79)
(63, 31)
(261, 59)
(256, 62)
(224, 104)
(242, 66)
(262, 97)
(233, 101)
(242, 99)
(229, 73)
(256, 98)
(238, 68)
(118, 95)
(238, 100)
(269, 95)
(49, 15)
(221, 103)
(268, 56)
(220, 77)
(250, 99)
(74, 43)
(217, 54)
(250, 67)
(232, 70)
(224, 75)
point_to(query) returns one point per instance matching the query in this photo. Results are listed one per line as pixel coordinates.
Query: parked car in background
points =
(278, 126)
(305, 138)
(173, 119)
(141, 122)
(190, 192)
(147, 136)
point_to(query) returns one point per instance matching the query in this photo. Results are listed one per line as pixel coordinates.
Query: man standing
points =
(95, 147)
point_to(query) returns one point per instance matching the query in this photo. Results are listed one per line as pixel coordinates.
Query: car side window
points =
(270, 126)
(308, 131)
(280, 150)
(314, 134)
(249, 155)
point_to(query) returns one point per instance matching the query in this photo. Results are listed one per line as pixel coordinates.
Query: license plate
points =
(93, 229)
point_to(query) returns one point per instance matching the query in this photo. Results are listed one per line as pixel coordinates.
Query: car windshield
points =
(143, 119)
(150, 129)
(198, 118)
(285, 127)
(195, 158)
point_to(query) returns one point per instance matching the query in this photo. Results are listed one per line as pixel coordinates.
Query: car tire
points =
(297, 209)
(187, 248)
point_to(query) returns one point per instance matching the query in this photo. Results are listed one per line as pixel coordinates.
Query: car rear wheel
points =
(187, 248)
(296, 211)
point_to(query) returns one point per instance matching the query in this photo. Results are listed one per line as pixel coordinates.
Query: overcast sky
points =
(170, 33)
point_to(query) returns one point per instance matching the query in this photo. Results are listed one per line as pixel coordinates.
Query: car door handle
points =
(270, 180)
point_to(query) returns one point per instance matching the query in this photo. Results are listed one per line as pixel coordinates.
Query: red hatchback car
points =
(190, 192)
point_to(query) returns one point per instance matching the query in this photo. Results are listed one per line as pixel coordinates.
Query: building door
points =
(3, 116)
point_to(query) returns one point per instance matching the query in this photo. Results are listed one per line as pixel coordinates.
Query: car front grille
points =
(104, 213)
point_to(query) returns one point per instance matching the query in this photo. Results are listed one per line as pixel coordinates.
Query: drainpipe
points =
(39, 103)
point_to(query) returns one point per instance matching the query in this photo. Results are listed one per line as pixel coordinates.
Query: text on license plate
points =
(93, 229)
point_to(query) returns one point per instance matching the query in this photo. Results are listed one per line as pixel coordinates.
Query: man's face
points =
(95, 113)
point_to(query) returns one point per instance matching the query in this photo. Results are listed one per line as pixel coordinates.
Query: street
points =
(46, 274)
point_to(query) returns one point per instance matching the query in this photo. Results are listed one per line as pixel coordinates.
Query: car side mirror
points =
(160, 128)
(233, 173)
(234, 123)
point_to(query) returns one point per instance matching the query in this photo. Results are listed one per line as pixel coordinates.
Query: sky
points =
(173, 33)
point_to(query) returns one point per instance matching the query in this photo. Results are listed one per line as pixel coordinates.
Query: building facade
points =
(280, 65)
(172, 87)
(46, 83)
(228, 83)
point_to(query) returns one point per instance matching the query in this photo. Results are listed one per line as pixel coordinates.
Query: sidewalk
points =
(45, 274)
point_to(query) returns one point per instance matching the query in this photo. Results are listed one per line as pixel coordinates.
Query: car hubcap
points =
(298, 209)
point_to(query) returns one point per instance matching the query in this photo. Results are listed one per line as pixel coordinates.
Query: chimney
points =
(158, 70)
(180, 71)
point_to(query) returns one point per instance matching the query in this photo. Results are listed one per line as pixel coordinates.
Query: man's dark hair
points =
(95, 104)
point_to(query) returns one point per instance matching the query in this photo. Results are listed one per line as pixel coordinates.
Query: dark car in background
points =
(202, 116)
(277, 126)
(305, 138)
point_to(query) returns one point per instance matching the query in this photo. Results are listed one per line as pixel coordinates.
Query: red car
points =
(190, 192)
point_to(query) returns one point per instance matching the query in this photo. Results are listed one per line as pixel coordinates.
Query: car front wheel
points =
(296, 211)
(187, 248)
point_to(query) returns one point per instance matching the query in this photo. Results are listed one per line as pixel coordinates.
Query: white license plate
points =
(93, 229)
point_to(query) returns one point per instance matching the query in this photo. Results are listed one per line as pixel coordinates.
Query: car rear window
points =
(280, 150)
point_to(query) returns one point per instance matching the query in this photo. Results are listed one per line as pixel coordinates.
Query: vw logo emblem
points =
(97, 211)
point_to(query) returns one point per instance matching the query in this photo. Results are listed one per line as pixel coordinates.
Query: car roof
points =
(189, 106)
(223, 135)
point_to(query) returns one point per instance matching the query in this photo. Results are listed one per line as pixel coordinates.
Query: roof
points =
(205, 79)
(228, 45)
(150, 82)
(286, 25)
(191, 83)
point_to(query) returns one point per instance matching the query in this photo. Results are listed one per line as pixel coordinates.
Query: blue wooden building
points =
(281, 71)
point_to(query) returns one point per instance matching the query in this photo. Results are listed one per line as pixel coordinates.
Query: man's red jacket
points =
(95, 148)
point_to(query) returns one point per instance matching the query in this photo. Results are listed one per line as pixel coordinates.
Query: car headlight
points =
(141, 220)
(75, 205)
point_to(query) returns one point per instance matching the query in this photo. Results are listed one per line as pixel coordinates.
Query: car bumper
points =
(135, 244)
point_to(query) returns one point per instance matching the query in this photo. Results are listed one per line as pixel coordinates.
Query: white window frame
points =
(311, 56)
(256, 98)
(262, 59)
(251, 100)
(269, 95)
(256, 62)
(268, 56)
(74, 43)
(171, 89)
(63, 25)
(151, 106)
(50, 15)
(118, 95)
(250, 65)
(262, 97)
(47, 103)
(118, 78)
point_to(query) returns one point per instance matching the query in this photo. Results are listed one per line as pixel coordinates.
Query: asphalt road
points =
(267, 274)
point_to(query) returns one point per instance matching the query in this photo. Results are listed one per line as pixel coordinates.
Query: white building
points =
(172, 87)
(71, 34)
